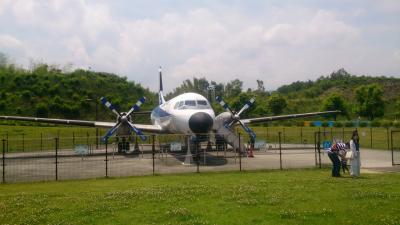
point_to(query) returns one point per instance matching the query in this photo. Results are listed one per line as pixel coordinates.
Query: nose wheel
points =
(123, 145)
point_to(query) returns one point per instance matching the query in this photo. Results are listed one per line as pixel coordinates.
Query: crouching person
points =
(333, 155)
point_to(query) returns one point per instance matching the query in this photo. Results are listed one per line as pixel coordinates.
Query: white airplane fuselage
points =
(188, 113)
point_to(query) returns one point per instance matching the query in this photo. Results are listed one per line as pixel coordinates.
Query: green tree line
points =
(47, 91)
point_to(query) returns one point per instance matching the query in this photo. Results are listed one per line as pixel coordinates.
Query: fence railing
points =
(65, 158)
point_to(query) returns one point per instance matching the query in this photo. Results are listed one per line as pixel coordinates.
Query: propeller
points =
(236, 116)
(123, 118)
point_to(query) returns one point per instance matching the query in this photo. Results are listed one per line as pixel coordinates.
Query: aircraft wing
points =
(285, 117)
(86, 123)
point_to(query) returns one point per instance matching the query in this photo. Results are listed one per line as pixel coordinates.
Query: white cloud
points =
(280, 45)
(7, 41)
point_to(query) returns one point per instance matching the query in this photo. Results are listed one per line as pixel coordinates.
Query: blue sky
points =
(276, 41)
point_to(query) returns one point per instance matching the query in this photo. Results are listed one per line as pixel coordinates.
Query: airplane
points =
(189, 114)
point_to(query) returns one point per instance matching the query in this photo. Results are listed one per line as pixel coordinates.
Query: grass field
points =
(70, 136)
(267, 197)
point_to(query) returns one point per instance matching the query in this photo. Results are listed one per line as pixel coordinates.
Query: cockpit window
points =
(190, 103)
(201, 102)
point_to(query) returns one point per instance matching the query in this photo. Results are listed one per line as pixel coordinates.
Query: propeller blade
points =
(109, 105)
(223, 104)
(110, 132)
(137, 105)
(248, 130)
(246, 106)
(137, 131)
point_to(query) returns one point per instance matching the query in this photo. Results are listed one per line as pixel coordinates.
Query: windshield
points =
(192, 104)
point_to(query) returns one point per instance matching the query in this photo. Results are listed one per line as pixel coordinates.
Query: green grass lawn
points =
(267, 197)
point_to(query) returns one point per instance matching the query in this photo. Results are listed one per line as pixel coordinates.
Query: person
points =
(343, 159)
(355, 161)
(333, 155)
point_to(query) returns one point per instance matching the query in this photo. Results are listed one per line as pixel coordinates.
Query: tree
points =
(233, 88)
(42, 110)
(260, 86)
(3, 60)
(335, 101)
(276, 104)
(370, 101)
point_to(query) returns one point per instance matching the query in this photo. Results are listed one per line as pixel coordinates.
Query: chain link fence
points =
(81, 157)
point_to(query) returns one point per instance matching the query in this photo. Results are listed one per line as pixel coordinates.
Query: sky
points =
(278, 42)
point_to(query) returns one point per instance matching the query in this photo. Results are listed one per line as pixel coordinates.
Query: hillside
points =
(49, 92)
(309, 94)
(46, 91)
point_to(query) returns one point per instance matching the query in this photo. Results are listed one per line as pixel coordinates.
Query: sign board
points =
(260, 144)
(176, 146)
(327, 145)
(81, 149)
(317, 123)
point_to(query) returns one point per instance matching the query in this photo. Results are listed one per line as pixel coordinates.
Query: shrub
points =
(386, 123)
(349, 124)
(375, 123)
(325, 124)
(363, 124)
(338, 124)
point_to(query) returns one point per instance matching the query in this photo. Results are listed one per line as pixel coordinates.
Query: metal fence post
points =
(388, 138)
(73, 139)
(240, 154)
(56, 139)
(106, 158)
(4, 161)
(371, 135)
(301, 135)
(41, 141)
(7, 142)
(87, 142)
(319, 149)
(153, 151)
(315, 148)
(391, 138)
(280, 151)
(23, 142)
(197, 156)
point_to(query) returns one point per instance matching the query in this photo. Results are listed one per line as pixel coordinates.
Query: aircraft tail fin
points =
(161, 99)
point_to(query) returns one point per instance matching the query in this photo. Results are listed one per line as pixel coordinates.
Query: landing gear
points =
(123, 145)
(219, 142)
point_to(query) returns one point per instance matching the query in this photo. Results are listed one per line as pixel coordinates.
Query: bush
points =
(338, 124)
(363, 124)
(300, 123)
(375, 123)
(42, 110)
(396, 124)
(386, 123)
(287, 123)
(349, 124)
(325, 124)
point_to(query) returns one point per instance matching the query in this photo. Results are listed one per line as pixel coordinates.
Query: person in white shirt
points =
(355, 160)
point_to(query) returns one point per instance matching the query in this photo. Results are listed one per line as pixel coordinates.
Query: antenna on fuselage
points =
(161, 99)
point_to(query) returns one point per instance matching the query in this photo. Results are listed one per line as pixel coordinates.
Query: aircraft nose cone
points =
(200, 123)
